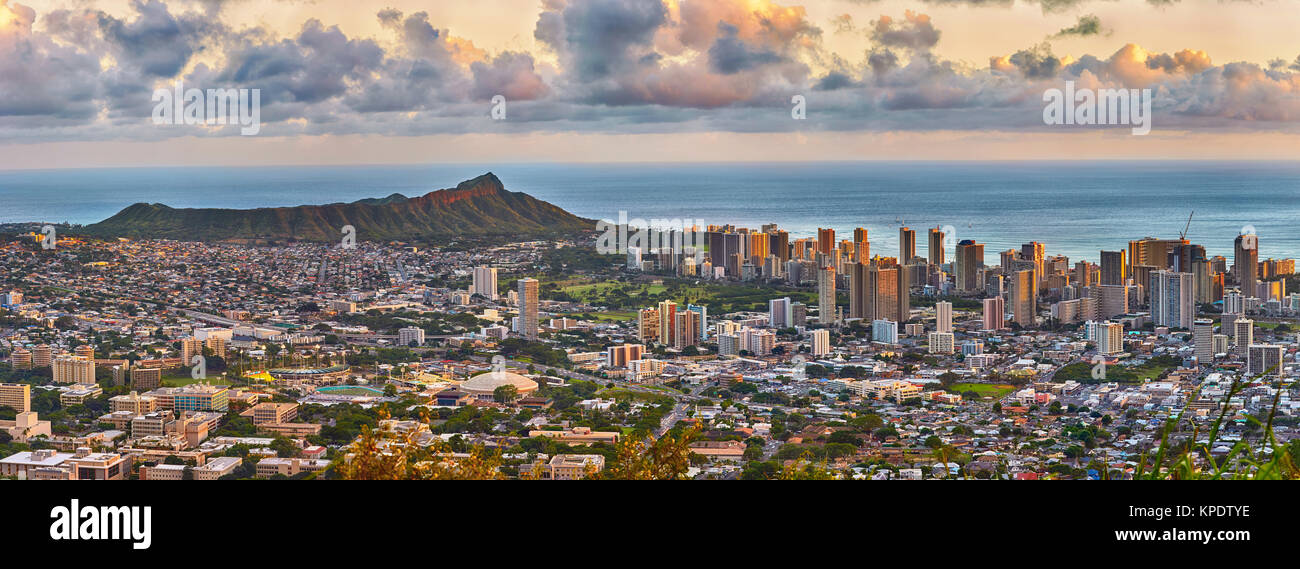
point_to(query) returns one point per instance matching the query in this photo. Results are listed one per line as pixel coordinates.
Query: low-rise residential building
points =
(574, 466)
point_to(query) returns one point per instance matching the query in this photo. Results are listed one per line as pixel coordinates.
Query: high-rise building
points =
(1182, 255)
(686, 330)
(410, 334)
(485, 280)
(528, 301)
(668, 323)
(779, 313)
(758, 342)
(995, 313)
(1245, 262)
(702, 319)
(619, 356)
(146, 378)
(16, 396)
(943, 316)
(879, 290)
(1112, 300)
(1114, 268)
(1265, 359)
(1083, 274)
(884, 331)
(858, 290)
(648, 325)
(906, 245)
(1034, 253)
(1140, 277)
(1243, 334)
(1074, 310)
(73, 369)
(826, 296)
(217, 344)
(1024, 309)
(21, 358)
(190, 347)
(969, 260)
(825, 241)
(821, 342)
(1173, 302)
(780, 245)
(758, 245)
(42, 356)
(941, 342)
(1203, 341)
(1108, 336)
(1234, 302)
(1203, 279)
(799, 314)
(1151, 252)
(935, 250)
(1221, 343)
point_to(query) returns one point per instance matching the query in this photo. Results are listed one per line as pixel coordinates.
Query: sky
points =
(405, 81)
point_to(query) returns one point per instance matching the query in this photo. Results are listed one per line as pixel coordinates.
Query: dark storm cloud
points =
(730, 54)
(157, 42)
(1037, 62)
(599, 38)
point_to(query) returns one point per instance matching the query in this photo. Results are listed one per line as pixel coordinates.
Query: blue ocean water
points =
(1075, 208)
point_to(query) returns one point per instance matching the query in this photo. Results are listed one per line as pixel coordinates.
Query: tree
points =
(381, 454)
(284, 448)
(641, 458)
(505, 394)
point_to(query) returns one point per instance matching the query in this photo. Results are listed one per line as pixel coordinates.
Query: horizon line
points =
(673, 162)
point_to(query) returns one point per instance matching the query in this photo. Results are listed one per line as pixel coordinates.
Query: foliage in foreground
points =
(1192, 462)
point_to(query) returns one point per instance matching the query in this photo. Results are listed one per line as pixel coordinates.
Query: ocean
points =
(1075, 208)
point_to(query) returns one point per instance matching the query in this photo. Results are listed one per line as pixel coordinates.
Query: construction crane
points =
(1183, 235)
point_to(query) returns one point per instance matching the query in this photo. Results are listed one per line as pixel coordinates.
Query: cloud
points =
(730, 55)
(881, 61)
(42, 83)
(915, 32)
(1089, 25)
(843, 24)
(621, 66)
(509, 74)
(1033, 63)
(157, 42)
(697, 55)
(597, 39)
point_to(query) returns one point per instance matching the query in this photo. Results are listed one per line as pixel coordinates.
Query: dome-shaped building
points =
(484, 385)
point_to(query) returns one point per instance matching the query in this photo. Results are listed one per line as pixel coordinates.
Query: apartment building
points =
(574, 466)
